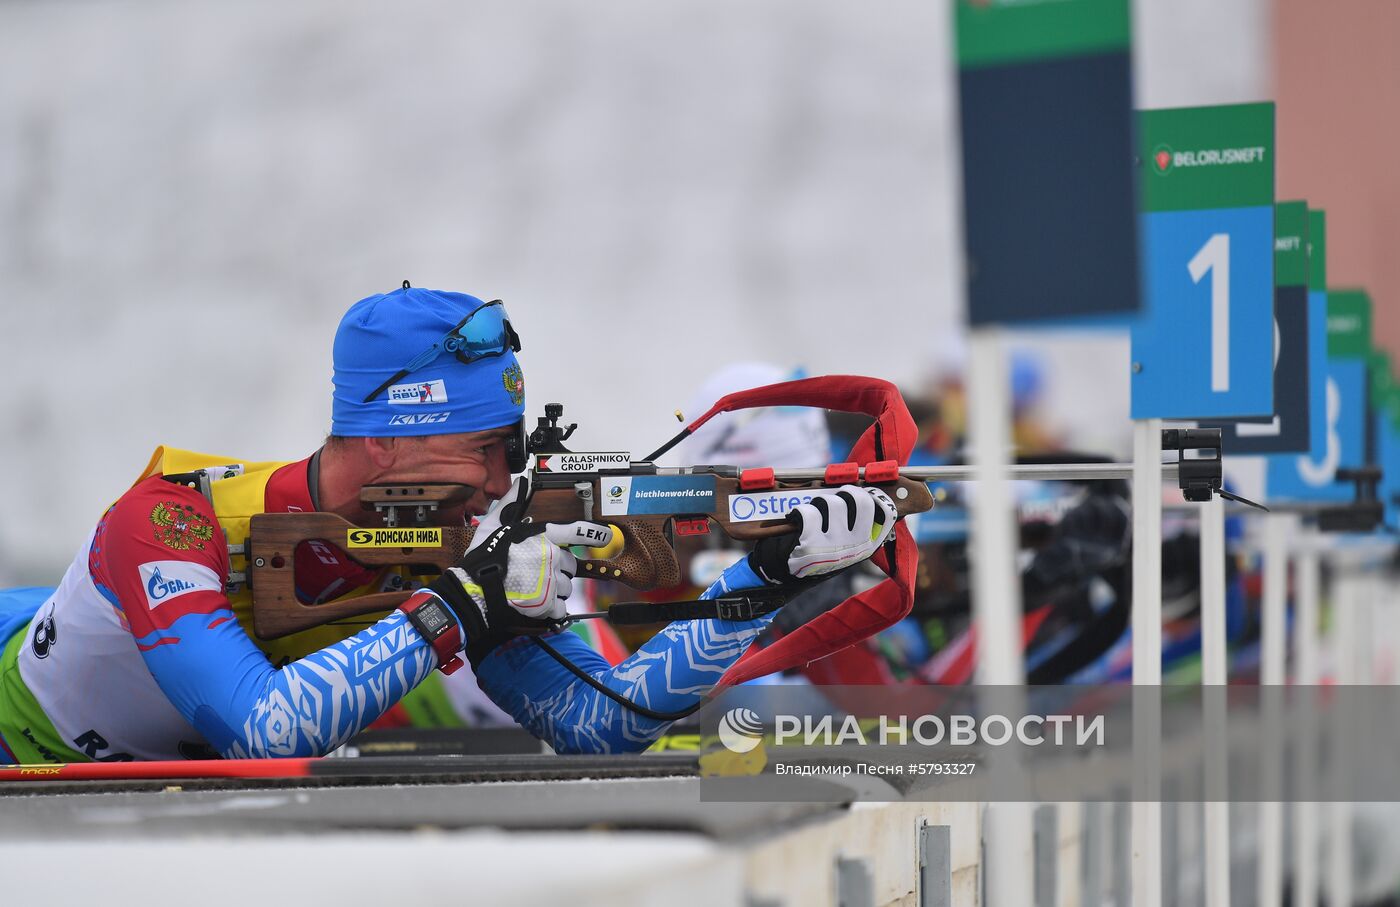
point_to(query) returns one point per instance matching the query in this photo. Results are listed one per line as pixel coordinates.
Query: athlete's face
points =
(477, 459)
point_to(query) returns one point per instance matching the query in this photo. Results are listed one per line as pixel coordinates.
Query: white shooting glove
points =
(515, 576)
(834, 532)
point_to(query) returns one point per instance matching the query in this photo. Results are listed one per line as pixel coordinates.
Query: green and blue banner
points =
(1204, 345)
(1045, 90)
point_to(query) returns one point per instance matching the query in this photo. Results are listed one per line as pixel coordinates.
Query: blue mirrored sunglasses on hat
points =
(484, 333)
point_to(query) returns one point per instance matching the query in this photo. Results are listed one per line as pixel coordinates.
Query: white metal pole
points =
(1365, 644)
(1272, 671)
(1274, 620)
(1369, 630)
(996, 594)
(1214, 672)
(1344, 607)
(1146, 817)
(1308, 636)
(1339, 854)
(1392, 631)
(1214, 660)
(1008, 833)
(1307, 673)
(1147, 553)
(1383, 619)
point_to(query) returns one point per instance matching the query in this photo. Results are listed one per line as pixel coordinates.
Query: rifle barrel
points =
(1048, 472)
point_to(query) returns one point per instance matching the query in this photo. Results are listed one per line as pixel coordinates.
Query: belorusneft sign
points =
(1204, 346)
(1165, 158)
(584, 462)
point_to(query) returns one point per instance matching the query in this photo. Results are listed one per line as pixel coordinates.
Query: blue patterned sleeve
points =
(674, 670)
(172, 600)
(246, 708)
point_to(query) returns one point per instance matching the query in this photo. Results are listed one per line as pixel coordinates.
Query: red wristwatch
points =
(436, 623)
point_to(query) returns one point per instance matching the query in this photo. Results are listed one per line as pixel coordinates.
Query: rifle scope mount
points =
(548, 437)
(1201, 476)
(1363, 514)
(424, 500)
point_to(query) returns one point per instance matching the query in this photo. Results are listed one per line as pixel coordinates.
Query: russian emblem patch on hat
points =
(514, 381)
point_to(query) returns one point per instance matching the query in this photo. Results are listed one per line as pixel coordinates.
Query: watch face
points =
(433, 618)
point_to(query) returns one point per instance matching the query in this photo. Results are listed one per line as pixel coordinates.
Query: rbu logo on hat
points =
(419, 393)
(418, 418)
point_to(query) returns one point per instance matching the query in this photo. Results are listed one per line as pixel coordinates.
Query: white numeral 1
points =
(1214, 257)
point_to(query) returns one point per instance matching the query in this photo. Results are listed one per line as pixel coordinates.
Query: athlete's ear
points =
(382, 452)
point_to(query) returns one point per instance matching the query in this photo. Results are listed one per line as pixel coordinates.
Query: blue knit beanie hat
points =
(411, 362)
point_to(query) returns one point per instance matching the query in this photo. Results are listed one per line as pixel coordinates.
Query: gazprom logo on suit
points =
(164, 580)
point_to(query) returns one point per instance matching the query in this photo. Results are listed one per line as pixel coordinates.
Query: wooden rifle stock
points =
(646, 561)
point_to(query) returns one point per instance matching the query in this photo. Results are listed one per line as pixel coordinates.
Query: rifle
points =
(647, 504)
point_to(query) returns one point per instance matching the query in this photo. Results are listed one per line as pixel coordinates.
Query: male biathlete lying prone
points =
(143, 653)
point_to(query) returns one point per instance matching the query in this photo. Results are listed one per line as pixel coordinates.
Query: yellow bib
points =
(236, 499)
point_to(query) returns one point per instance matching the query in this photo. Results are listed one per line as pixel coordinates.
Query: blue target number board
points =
(1300, 352)
(1312, 476)
(1385, 434)
(1388, 446)
(1204, 345)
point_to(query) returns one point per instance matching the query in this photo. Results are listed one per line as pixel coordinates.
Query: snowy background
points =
(192, 192)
